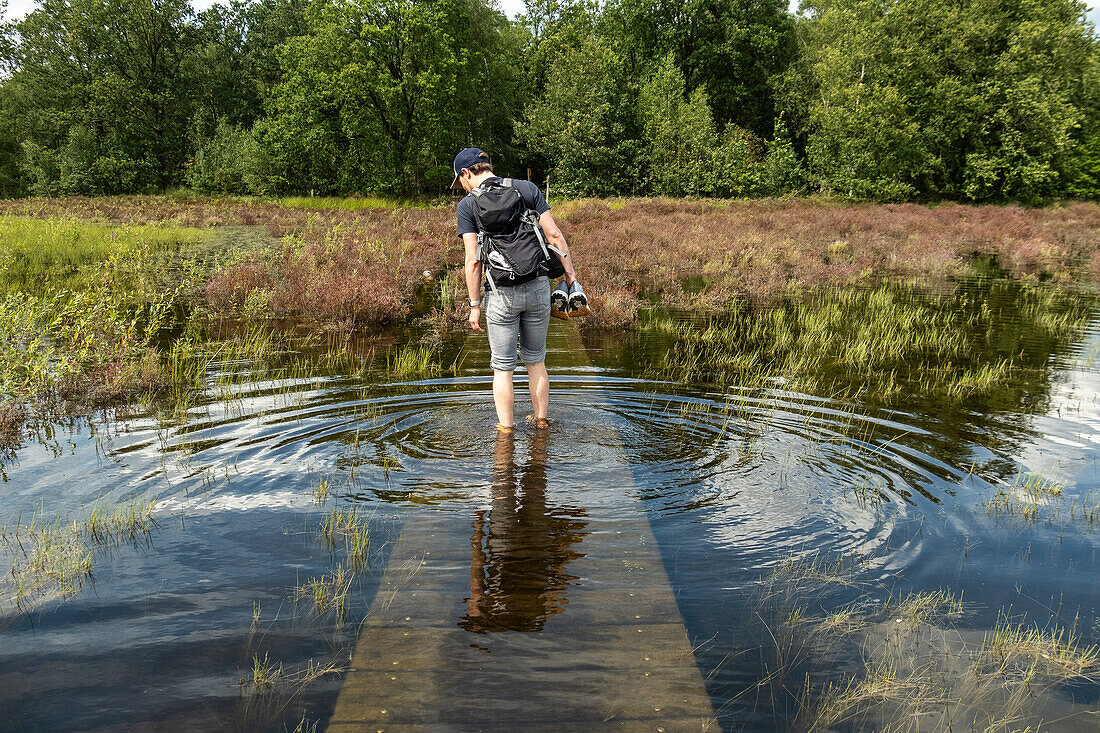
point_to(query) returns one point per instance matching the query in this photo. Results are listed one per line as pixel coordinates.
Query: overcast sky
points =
(19, 8)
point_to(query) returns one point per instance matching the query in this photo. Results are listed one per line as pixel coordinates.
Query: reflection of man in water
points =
(520, 550)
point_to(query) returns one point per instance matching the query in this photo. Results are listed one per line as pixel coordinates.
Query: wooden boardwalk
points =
(526, 617)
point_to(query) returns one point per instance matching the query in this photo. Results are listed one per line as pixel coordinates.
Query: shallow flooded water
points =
(794, 517)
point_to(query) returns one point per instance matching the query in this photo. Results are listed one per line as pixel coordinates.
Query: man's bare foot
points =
(504, 428)
(540, 423)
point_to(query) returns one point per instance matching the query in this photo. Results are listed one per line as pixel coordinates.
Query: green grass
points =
(126, 522)
(902, 665)
(878, 344)
(82, 346)
(349, 528)
(51, 558)
(328, 593)
(414, 361)
(41, 255)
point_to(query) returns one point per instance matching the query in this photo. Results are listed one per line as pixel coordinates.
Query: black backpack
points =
(511, 243)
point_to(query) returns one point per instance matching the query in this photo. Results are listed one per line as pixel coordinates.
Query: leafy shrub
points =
(1084, 167)
(232, 161)
(735, 165)
(678, 132)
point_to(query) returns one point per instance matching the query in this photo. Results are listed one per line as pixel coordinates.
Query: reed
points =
(50, 558)
(328, 593)
(880, 344)
(414, 361)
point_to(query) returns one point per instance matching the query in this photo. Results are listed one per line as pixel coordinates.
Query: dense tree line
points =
(976, 100)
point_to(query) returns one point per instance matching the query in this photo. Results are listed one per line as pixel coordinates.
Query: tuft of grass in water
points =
(924, 607)
(868, 494)
(811, 569)
(265, 674)
(51, 559)
(351, 529)
(902, 665)
(414, 361)
(1034, 495)
(328, 593)
(54, 558)
(269, 688)
(321, 491)
(1024, 652)
(126, 522)
(925, 675)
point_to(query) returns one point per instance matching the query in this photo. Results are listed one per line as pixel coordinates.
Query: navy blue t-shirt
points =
(528, 191)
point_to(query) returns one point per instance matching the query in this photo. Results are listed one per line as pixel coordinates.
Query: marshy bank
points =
(221, 412)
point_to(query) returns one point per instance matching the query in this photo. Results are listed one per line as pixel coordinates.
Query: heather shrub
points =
(354, 268)
(761, 250)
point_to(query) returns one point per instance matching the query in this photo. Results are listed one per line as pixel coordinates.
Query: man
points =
(515, 311)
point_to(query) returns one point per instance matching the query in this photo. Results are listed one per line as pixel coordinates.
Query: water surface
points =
(740, 481)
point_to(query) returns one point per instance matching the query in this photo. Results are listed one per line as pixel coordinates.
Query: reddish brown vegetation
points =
(365, 266)
(347, 268)
(760, 249)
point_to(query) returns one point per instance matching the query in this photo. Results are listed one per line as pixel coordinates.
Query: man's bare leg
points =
(504, 396)
(539, 382)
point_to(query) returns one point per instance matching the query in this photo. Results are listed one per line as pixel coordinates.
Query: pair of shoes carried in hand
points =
(568, 301)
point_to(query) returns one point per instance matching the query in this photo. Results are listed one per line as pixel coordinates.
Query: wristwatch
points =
(473, 303)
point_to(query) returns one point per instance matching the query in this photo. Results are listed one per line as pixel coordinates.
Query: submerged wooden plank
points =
(509, 618)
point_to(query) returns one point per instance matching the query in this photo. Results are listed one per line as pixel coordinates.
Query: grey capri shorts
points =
(517, 313)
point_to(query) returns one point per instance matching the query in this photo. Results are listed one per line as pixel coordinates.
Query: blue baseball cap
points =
(468, 157)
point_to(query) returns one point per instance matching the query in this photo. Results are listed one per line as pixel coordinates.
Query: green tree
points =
(11, 179)
(574, 124)
(975, 99)
(781, 171)
(1083, 171)
(679, 133)
(103, 85)
(379, 94)
(730, 48)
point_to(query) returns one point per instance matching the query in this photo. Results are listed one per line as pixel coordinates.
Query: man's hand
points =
(475, 318)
